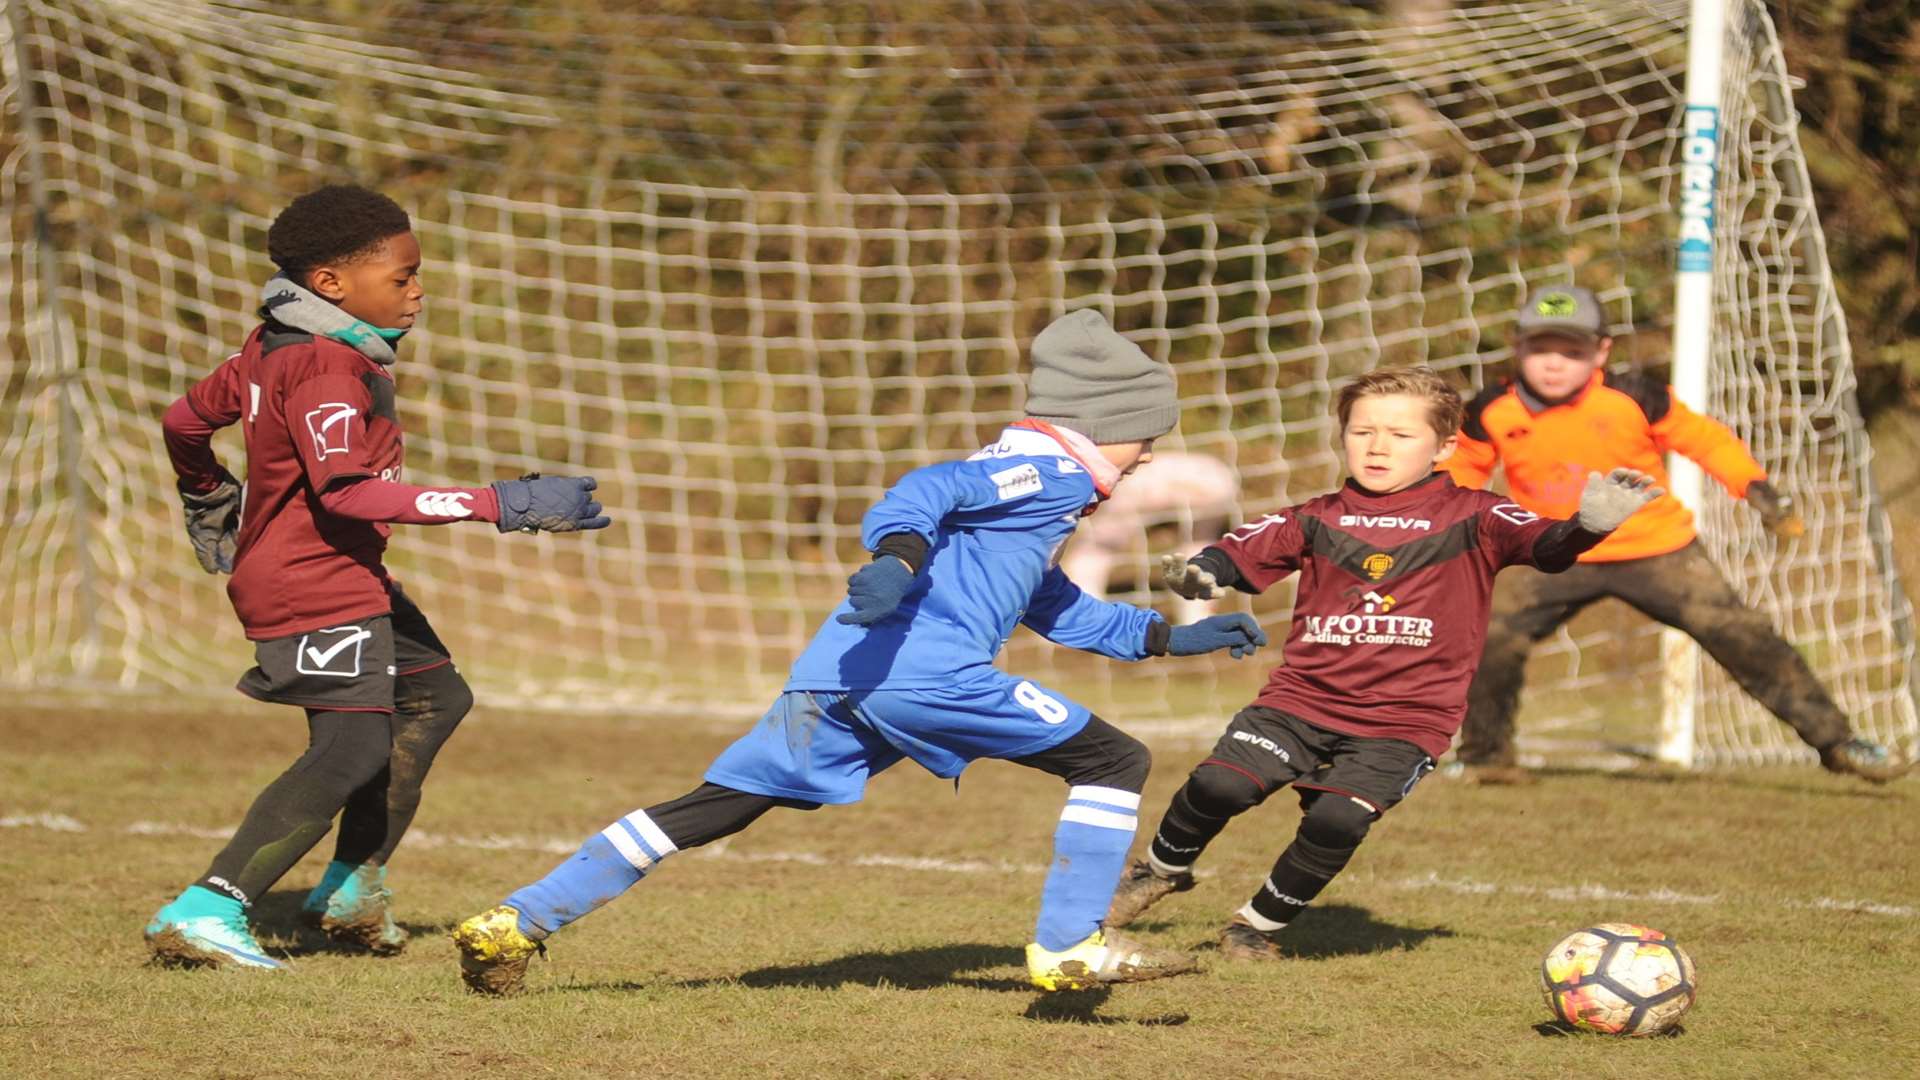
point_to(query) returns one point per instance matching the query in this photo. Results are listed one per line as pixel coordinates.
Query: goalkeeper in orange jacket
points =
(1563, 416)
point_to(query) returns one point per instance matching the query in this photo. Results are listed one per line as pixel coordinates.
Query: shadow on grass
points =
(929, 969)
(1560, 1029)
(1347, 930)
(1080, 1007)
(912, 969)
(278, 916)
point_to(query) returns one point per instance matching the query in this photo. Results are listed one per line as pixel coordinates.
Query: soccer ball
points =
(1618, 979)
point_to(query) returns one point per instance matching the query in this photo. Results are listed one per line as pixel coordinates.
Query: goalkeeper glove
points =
(1611, 499)
(213, 521)
(1777, 511)
(1237, 633)
(1189, 580)
(876, 589)
(535, 503)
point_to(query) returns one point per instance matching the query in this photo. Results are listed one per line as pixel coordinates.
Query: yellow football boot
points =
(494, 953)
(1105, 958)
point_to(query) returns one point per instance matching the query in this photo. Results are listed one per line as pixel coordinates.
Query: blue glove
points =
(876, 589)
(1237, 633)
(552, 503)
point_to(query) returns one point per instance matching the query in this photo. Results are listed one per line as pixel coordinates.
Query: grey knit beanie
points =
(1088, 378)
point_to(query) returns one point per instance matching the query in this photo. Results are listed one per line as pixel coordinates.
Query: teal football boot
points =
(351, 904)
(201, 928)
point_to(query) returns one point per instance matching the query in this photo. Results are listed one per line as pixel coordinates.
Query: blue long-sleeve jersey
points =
(994, 525)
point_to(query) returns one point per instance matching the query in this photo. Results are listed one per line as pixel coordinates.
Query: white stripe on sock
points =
(1165, 869)
(1107, 795)
(1105, 819)
(1258, 921)
(616, 835)
(651, 833)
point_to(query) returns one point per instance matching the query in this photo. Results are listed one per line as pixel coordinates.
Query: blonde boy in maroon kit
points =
(1396, 574)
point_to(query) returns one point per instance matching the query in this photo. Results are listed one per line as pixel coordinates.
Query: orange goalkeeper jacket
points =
(1618, 421)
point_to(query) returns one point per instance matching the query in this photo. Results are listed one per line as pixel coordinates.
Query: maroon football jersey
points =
(313, 411)
(1392, 606)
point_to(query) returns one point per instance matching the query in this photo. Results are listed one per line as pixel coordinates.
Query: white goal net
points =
(747, 267)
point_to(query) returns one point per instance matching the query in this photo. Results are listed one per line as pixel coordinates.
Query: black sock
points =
(1209, 799)
(711, 812)
(1298, 876)
(1329, 835)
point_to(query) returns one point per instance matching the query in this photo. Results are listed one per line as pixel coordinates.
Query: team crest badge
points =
(1557, 305)
(1377, 564)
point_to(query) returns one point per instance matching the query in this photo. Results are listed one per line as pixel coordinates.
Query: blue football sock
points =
(607, 865)
(1089, 851)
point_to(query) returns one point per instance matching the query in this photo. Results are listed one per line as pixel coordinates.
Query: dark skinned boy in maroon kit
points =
(314, 393)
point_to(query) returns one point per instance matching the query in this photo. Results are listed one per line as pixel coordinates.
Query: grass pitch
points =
(884, 939)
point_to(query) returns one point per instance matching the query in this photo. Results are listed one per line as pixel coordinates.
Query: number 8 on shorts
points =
(1050, 709)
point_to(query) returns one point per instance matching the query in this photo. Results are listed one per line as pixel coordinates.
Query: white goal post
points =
(747, 268)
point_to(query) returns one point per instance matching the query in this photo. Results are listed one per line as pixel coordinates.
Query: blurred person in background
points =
(1196, 493)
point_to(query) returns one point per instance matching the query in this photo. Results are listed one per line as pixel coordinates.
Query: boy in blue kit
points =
(963, 551)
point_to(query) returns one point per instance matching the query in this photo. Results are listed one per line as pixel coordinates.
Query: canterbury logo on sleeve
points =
(443, 503)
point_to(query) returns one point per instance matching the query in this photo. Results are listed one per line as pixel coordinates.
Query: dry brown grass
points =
(793, 952)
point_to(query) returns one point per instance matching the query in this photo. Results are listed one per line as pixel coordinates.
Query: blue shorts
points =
(822, 745)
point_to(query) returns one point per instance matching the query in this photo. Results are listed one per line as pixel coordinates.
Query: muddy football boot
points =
(494, 953)
(353, 905)
(1140, 888)
(204, 929)
(1105, 958)
(1865, 759)
(1241, 941)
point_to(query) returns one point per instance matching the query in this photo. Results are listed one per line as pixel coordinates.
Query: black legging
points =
(372, 764)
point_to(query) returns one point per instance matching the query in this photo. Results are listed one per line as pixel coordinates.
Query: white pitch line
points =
(1470, 887)
(721, 850)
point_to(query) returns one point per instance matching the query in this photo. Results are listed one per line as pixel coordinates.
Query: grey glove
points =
(1189, 580)
(1611, 499)
(1777, 511)
(213, 522)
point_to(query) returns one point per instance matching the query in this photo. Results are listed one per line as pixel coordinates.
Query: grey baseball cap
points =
(1562, 309)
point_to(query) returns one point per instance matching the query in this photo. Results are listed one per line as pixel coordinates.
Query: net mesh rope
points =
(750, 265)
